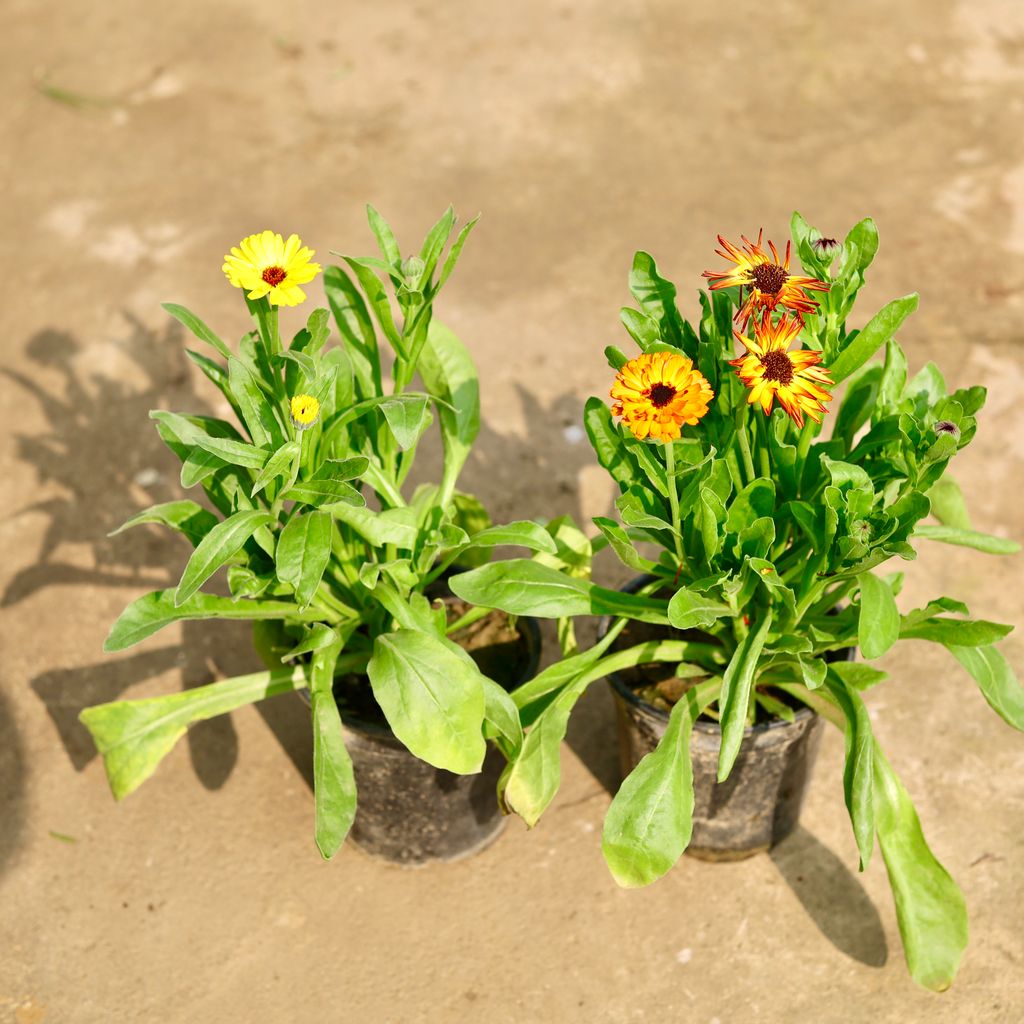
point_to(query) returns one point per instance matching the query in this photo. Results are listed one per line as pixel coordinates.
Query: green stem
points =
(673, 497)
(744, 441)
(762, 448)
(473, 615)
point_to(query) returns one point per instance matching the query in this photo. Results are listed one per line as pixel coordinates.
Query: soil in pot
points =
(409, 812)
(759, 804)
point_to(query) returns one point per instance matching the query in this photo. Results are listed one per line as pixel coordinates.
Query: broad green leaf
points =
(407, 417)
(378, 300)
(735, 697)
(236, 453)
(257, 414)
(608, 443)
(433, 244)
(879, 623)
(967, 538)
(657, 297)
(996, 680)
(858, 771)
(432, 697)
(151, 612)
(329, 485)
(393, 526)
(878, 330)
(188, 518)
(281, 463)
(857, 674)
(318, 636)
(303, 551)
(133, 736)
(642, 328)
(956, 632)
(930, 908)
(385, 236)
(501, 713)
(334, 785)
(650, 819)
(523, 587)
(621, 544)
(947, 503)
(688, 609)
(199, 465)
(222, 543)
(187, 318)
(523, 533)
(356, 327)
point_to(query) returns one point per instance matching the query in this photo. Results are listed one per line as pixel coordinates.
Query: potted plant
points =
(340, 587)
(763, 548)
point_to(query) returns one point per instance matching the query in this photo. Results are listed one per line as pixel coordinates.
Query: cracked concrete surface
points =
(582, 132)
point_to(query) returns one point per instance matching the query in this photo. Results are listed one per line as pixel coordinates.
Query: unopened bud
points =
(946, 427)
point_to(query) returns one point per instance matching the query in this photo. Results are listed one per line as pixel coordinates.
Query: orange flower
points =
(770, 282)
(771, 371)
(656, 393)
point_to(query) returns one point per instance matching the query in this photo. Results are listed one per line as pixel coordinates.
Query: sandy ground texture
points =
(140, 141)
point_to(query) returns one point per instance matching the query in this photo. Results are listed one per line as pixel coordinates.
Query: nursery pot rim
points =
(630, 695)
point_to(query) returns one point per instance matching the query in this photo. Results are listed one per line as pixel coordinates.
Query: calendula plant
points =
(334, 583)
(765, 541)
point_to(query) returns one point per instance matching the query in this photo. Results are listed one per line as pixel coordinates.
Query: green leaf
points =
(930, 908)
(257, 415)
(329, 485)
(433, 698)
(133, 736)
(407, 417)
(197, 327)
(378, 299)
(433, 244)
(385, 236)
(500, 712)
(454, 252)
(393, 526)
(967, 538)
(879, 623)
(657, 297)
(996, 680)
(857, 674)
(334, 784)
(858, 771)
(523, 587)
(878, 330)
(947, 503)
(955, 632)
(222, 543)
(318, 636)
(688, 610)
(608, 443)
(523, 533)
(356, 327)
(281, 463)
(188, 518)
(236, 453)
(448, 373)
(150, 613)
(650, 819)
(621, 544)
(303, 551)
(735, 697)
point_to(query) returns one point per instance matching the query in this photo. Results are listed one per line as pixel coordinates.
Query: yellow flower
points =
(265, 264)
(656, 393)
(305, 409)
(771, 371)
(770, 282)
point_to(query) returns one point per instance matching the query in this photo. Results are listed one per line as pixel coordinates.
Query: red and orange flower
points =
(771, 371)
(768, 279)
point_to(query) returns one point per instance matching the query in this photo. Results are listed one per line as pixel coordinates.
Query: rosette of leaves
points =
(321, 545)
(778, 556)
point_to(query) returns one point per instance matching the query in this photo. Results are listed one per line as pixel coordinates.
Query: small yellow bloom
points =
(265, 264)
(305, 410)
(771, 371)
(656, 393)
(768, 279)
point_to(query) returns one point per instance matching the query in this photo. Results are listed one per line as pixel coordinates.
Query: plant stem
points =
(673, 497)
(741, 436)
(473, 615)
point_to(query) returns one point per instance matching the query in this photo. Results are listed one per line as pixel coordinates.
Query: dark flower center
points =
(947, 427)
(274, 276)
(768, 277)
(777, 366)
(661, 394)
(825, 246)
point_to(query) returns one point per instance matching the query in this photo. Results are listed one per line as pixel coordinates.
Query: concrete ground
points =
(141, 141)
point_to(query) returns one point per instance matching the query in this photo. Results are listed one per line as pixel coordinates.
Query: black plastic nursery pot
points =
(759, 804)
(409, 812)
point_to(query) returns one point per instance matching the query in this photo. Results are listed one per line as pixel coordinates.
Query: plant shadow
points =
(832, 896)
